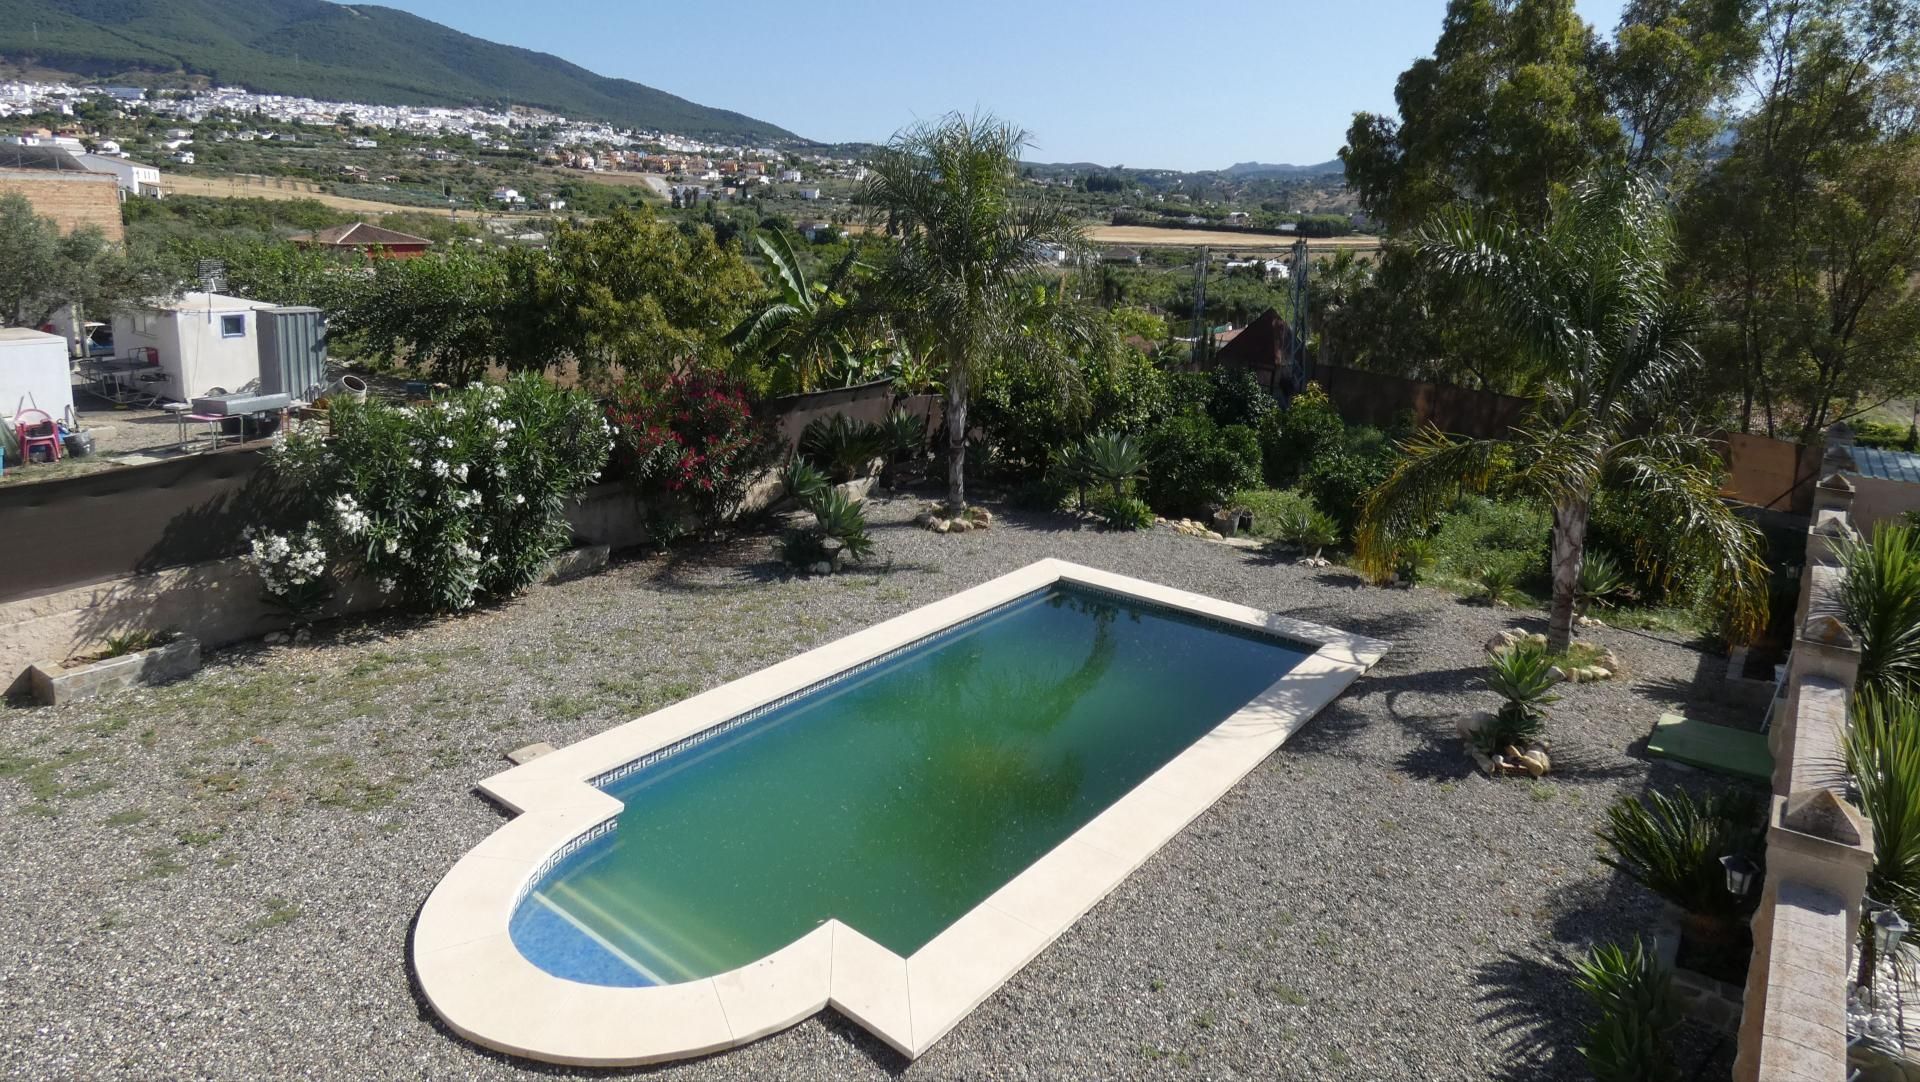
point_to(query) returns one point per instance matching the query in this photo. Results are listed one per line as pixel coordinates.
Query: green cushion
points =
(1712, 747)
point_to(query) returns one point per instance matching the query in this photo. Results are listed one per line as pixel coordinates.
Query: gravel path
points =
(217, 879)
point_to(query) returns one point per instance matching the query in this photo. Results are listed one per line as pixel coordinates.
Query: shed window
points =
(233, 326)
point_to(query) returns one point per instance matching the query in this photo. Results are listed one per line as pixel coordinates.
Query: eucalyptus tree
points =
(960, 280)
(1588, 294)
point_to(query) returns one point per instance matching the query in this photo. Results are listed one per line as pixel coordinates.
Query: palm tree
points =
(1336, 280)
(804, 324)
(968, 248)
(1588, 295)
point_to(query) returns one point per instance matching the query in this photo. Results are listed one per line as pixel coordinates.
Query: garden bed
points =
(55, 682)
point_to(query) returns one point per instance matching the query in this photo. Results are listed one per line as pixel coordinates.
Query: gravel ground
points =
(217, 879)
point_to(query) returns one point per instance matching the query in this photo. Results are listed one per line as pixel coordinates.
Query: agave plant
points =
(1672, 844)
(1630, 1040)
(1522, 675)
(1114, 459)
(1883, 755)
(906, 433)
(842, 518)
(845, 448)
(1122, 512)
(1415, 558)
(801, 481)
(1600, 579)
(1879, 598)
(1497, 583)
(1307, 527)
(1072, 469)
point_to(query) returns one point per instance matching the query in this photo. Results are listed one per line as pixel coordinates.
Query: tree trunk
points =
(956, 439)
(1569, 547)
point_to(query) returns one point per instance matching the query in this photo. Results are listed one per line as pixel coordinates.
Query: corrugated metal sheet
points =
(1888, 465)
(293, 352)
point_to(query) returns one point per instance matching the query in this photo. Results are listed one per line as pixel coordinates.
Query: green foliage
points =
(1498, 584)
(906, 433)
(131, 642)
(1522, 676)
(1113, 459)
(1270, 506)
(1292, 440)
(1883, 755)
(1885, 435)
(1235, 397)
(839, 528)
(1121, 512)
(1879, 598)
(1193, 463)
(1601, 580)
(1672, 844)
(1631, 1040)
(1339, 480)
(42, 269)
(376, 55)
(844, 447)
(455, 503)
(801, 481)
(1482, 534)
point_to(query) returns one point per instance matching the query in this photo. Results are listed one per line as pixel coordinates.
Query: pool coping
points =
(484, 989)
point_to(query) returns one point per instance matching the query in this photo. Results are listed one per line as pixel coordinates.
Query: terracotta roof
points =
(1267, 342)
(360, 235)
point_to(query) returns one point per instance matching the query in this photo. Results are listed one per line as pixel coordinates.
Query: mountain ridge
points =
(341, 52)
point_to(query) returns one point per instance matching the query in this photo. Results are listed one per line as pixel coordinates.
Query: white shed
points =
(202, 341)
(34, 373)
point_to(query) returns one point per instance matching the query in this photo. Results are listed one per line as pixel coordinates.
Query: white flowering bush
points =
(456, 502)
(293, 569)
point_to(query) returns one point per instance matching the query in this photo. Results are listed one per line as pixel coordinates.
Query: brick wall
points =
(71, 199)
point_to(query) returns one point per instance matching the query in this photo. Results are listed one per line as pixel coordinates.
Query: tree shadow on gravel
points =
(1392, 627)
(1532, 1009)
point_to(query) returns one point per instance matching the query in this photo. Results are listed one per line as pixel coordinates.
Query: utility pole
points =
(1200, 304)
(1298, 282)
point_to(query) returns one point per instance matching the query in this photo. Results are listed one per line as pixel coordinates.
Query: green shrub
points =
(1113, 460)
(1193, 463)
(1270, 506)
(1510, 538)
(1631, 1040)
(1123, 512)
(1339, 481)
(1879, 598)
(1187, 392)
(1601, 579)
(689, 446)
(1886, 435)
(1497, 582)
(1672, 844)
(1235, 397)
(1292, 439)
(1883, 755)
(454, 503)
(839, 524)
(801, 481)
(1522, 675)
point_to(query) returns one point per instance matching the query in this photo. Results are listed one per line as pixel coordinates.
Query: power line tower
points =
(1200, 334)
(1298, 296)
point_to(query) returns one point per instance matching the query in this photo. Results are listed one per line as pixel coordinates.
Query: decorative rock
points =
(301, 636)
(1560, 675)
(959, 525)
(275, 638)
(1468, 724)
(821, 568)
(1534, 762)
(1595, 672)
(941, 525)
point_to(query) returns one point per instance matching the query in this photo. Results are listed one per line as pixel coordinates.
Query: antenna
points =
(212, 274)
(1200, 301)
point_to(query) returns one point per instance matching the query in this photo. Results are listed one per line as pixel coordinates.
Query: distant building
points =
(183, 157)
(60, 187)
(1121, 255)
(1263, 347)
(362, 239)
(789, 176)
(810, 194)
(134, 178)
(508, 197)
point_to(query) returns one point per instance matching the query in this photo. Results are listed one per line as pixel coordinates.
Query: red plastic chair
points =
(32, 433)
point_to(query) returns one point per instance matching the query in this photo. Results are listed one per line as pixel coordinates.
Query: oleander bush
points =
(689, 446)
(448, 504)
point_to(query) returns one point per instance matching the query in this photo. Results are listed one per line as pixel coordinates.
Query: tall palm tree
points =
(1336, 279)
(1588, 295)
(968, 249)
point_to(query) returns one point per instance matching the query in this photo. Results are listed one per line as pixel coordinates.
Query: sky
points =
(1118, 82)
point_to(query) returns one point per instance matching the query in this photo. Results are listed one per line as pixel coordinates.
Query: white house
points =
(809, 193)
(789, 176)
(183, 157)
(508, 196)
(202, 343)
(107, 147)
(135, 178)
(363, 143)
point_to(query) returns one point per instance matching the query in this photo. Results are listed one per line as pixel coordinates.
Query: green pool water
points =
(895, 798)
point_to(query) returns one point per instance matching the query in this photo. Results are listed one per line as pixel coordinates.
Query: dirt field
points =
(653, 182)
(255, 187)
(1150, 236)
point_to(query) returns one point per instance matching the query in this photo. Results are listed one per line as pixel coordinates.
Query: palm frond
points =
(1879, 598)
(1883, 755)
(1433, 471)
(1705, 531)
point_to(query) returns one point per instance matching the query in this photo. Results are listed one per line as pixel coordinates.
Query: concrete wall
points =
(1793, 1027)
(1770, 473)
(71, 199)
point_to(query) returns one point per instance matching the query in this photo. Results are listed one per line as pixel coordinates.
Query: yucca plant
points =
(1124, 512)
(1600, 580)
(906, 433)
(1883, 755)
(1631, 1039)
(1879, 598)
(842, 518)
(1521, 674)
(1114, 460)
(1309, 528)
(842, 446)
(1671, 843)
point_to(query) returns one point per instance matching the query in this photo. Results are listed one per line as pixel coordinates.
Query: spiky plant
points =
(842, 446)
(1072, 469)
(843, 519)
(1122, 512)
(906, 433)
(1522, 675)
(801, 481)
(1414, 558)
(1114, 460)
(1315, 530)
(1600, 580)
(1671, 843)
(1631, 1039)
(1883, 755)
(1879, 598)
(1497, 583)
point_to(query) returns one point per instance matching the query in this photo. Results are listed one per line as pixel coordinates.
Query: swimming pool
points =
(891, 824)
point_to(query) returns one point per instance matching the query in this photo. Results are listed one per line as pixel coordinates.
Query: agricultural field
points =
(1159, 237)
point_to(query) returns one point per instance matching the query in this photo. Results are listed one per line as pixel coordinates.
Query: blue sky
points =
(1118, 82)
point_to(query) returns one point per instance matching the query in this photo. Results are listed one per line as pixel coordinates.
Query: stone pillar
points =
(1826, 655)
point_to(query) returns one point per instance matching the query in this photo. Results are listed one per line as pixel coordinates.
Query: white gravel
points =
(217, 879)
